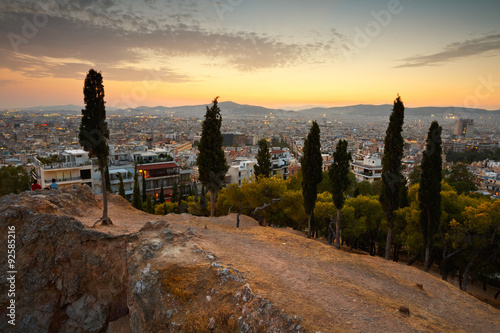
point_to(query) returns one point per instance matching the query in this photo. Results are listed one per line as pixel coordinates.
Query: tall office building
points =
(464, 128)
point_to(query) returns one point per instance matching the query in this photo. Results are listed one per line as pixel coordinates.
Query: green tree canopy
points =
(339, 178)
(211, 161)
(430, 189)
(392, 179)
(312, 169)
(460, 178)
(121, 187)
(263, 166)
(94, 133)
(13, 180)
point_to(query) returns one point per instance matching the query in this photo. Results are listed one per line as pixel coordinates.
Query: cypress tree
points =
(393, 184)
(143, 187)
(211, 161)
(312, 171)
(429, 193)
(203, 200)
(338, 174)
(136, 195)
(121, 187)
(94, 133)
(175, 193)
(149, 205)
(162, 195)
(263, 166)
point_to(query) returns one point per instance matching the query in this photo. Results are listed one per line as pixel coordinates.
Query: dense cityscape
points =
(28, 137)
(248, 166)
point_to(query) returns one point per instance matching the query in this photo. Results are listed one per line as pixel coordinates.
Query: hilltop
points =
(150, 273)
(232, 109)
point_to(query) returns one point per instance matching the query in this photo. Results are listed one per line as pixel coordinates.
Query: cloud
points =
(7, 82)
(105, 33)
(454, 51)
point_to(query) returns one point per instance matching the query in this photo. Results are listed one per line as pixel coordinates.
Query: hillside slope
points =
(202, 274)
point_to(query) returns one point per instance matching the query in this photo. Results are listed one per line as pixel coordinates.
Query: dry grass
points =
(190, 286)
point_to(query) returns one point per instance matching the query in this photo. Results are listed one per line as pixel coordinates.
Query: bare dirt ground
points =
(333, 291)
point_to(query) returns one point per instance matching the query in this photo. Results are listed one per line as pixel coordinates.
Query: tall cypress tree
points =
(429, 193)
(94, 133)
(211, 161)
(175, 193)
(136, 195)
(143, 187)
(161, 198)
(263, 166)
(121, 187)
(312, 171)
(338, 174)
(393, 183)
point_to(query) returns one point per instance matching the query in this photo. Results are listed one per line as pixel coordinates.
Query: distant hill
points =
(243, 110)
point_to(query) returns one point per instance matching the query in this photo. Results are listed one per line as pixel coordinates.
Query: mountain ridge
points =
(230, 108)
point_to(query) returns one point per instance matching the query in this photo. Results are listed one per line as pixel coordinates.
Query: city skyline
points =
(284, 54)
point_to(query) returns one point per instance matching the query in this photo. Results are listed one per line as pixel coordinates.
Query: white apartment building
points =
(75, 168)
(280, 161)
(370, 169)
(239, 172)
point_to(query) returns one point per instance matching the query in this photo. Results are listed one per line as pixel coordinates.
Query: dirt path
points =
(333, 291)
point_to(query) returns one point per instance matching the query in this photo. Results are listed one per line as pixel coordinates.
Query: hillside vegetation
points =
(199, 274)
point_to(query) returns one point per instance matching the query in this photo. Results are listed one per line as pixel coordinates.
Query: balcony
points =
(62, 165)
(68, 179)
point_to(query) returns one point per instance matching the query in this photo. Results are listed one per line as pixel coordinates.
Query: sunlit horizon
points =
(280, 54)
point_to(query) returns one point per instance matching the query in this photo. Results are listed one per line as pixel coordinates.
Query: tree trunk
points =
(465, 275)
(396, 252)
(444, 273)
(412, 260)
(212, 203)
(104, 219)
(427, 260)
(238, 218)
(331, 232)
(427, 257)
(337, 230)
(309, 226)
(388, 242)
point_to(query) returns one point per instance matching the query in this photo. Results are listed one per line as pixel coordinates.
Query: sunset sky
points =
(275, 53)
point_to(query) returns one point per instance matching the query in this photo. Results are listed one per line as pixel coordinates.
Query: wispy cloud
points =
(454, 51)
(105, 33)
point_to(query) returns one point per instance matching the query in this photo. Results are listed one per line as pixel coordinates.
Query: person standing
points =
(35, 186)
(54, 185)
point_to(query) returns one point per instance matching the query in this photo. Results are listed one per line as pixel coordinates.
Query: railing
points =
(61, 165)
(68, 179)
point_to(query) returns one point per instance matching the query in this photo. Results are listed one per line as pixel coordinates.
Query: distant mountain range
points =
(242, 110)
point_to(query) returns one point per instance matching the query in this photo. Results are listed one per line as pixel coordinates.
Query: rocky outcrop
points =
(69, 278)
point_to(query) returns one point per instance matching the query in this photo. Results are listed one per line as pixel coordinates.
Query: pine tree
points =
(121, 187)
(136, 195)
(429, 193)
(162, 195)
(312, 171)
(94, 133)
(211, 161)
(263, 166)
(338, 174)
(393, 184)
